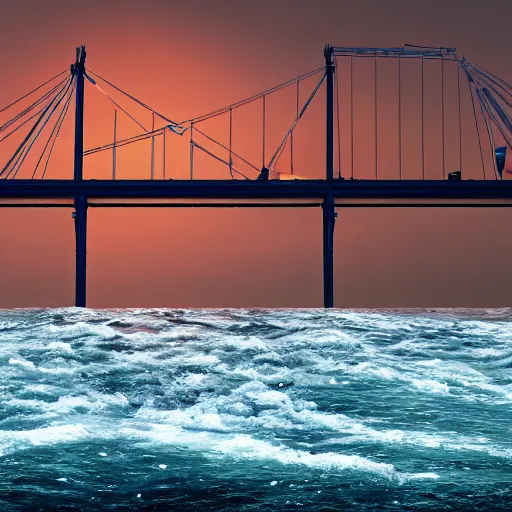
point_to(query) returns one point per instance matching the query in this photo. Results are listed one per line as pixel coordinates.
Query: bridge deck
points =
(256, 193)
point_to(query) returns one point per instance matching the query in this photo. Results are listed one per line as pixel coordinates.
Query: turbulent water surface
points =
(255, 410)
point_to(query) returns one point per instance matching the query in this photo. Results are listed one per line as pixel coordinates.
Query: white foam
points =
(60, 345)
(22, 362)
(80, 330)
(12, 440)
(419, 476)
(431, 386)
(270, 398)
(245, 447)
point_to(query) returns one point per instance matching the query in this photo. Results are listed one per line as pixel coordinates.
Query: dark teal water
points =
(255, 410)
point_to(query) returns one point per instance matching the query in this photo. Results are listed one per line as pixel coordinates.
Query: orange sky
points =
(187, 59)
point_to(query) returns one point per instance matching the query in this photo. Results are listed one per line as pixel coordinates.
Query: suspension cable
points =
(442, 116)
(195, 144)
(485, 101)
(250, 99)
(63, 116)
(279, 150)
(493, 78)
(376, 120)
(460, 118)
(33, 91)
(54, 130)
(226, 148)
(161, 116)
(423, 118)
(14, 130)
(192, 151)
(164, 154)
(352, 115)
(470, 80)
(29, 135)
(505, 119)
(489, 131)
(297, 96)
(31, 107)
(400, 116)
(264, 99)
(125, 142)
(231, 142)
(23, 155)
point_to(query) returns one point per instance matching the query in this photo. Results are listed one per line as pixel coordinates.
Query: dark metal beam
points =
(80, 216)
(388, 204)
(328, 204)
(241, 190)
(328, 218)
(80, 200)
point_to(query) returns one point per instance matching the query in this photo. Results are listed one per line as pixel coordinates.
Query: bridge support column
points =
(329, 218)
(329, 214)
(80, 216)
(80, 213)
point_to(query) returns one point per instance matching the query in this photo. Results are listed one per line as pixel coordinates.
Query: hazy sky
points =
(186, 58)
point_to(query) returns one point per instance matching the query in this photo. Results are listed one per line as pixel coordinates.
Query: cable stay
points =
(33, 91)
(139, 102)
(495, 99)
(14, 130)
(31, 107)
(491, 94)
(280, 149)
(250, 99)
(270, 167)
(15, 163)
(190, 124)
(55, 133)
(125, 142)
(22, 157)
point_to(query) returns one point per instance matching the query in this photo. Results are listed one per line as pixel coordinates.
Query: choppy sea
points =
(255, 410)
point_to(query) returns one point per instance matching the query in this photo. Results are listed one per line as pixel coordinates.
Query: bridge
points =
(482, 160)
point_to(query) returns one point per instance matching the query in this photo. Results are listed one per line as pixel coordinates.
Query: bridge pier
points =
(80, 213)
(80, 217)
(329, 219)
(329, 214)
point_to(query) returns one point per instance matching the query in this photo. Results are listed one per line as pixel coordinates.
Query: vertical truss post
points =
(328, 204)
(264, 122)
(114, 147)
(231, 142)
(80, 213)
(164, 153)
(191, 151)
(153, 148)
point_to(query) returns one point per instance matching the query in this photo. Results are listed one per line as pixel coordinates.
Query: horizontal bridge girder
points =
(368, 190)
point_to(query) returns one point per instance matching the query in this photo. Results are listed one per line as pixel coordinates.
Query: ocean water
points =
(255, 410)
